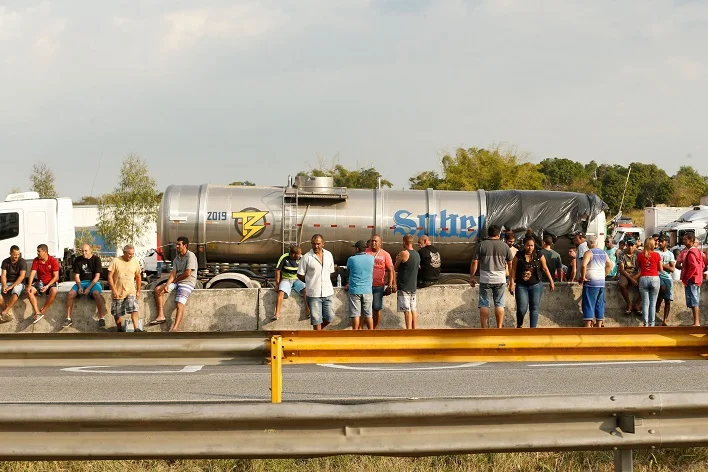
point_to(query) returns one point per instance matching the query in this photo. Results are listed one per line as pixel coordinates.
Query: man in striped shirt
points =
(595, 267)
(286, 278)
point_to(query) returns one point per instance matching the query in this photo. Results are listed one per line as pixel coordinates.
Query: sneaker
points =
(67, 323)
(139, 331)
(101, 323)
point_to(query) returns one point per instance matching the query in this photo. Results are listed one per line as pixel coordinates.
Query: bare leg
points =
(376, 318)
(304, 297)
(667, 308)
(50, 299)
(414, 319)
(499, 313)
(356, 323)
(2, 303)
(484, 316)
(134, 317)
(160, 302)
(696, 316)
(369, 323)
(100, 304)
(278, 304)
(32, 297)
(178, 317)
(71, 296)
(409, 319)
(10, 304)
(317, 327)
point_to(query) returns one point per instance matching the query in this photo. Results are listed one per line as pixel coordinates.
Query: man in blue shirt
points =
(361, 278)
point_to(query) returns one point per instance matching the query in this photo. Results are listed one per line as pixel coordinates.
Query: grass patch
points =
(660, 460)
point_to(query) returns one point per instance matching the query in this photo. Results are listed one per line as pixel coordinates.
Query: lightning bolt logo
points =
(250, 222)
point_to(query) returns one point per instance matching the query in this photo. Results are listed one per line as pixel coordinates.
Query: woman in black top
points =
(526, 276)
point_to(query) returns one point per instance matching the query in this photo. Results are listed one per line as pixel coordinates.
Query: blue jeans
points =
(528, 298)
(593, 303)
(321, 309)
(649, 290)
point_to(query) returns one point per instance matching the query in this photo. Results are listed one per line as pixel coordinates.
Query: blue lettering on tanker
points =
(444, 225)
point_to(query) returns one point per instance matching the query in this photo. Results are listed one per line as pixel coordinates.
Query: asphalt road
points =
(344, 383)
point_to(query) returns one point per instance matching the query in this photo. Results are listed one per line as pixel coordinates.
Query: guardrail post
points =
(276, 369)
(623, 460)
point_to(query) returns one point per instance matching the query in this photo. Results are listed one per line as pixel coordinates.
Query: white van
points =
(28, 221)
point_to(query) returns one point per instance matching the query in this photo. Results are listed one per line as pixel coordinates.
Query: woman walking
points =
(649, 263)
(526, 276)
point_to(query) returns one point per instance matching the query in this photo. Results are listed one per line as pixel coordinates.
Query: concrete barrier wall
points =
(441, 306)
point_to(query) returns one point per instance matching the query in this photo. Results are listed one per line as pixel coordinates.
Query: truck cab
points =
(28, 221)
(623, 231)
(693, 221)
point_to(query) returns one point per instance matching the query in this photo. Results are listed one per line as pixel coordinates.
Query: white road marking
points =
(606, 363)
(410, 369)
(91, 369)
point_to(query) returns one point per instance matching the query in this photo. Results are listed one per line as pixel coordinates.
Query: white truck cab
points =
(625, 231)
(28, 221)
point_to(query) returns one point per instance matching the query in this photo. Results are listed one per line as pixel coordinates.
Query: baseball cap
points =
(631, 241)
(360, 244)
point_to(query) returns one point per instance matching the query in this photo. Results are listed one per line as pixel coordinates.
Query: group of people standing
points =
(373, 274)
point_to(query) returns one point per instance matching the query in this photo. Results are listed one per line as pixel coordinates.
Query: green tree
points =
(123, 216)
(425, 180)
(495, 169)
(245, 183)
(343, 177)
(42, 178)
(611, 180)
(88, 200)
(689, 187)
(654, 186)
(84, 236)
(561, 173)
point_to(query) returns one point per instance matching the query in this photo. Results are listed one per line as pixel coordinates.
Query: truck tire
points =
(454, 279)
(229, 284)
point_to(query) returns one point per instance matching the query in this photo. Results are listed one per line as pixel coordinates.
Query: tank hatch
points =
(315, 188)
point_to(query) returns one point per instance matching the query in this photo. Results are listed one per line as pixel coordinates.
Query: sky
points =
(220, 91)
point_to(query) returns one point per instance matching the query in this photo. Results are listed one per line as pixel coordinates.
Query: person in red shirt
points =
(45, 269)
(649, 265)
(692, 263)
(383, 266)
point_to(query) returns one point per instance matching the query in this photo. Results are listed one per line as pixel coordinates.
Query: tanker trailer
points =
(255, 225)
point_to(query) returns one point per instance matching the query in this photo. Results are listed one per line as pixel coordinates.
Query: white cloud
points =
(188, 27)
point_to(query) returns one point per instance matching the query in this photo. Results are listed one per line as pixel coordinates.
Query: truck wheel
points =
(454, 279)
(229, 284)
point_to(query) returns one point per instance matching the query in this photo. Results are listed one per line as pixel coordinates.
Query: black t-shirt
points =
(429, 264)
(87, 268)
(13, 270)
(527, 273)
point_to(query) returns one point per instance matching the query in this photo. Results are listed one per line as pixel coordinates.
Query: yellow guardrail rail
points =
(473, 345)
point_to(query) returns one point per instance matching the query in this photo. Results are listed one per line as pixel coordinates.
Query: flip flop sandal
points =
(157, 322)
(37, 317)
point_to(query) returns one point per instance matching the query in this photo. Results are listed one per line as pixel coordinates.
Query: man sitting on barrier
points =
(286, 278)
(87, 272)
(46, 269)
(183, 279)
(14, 269)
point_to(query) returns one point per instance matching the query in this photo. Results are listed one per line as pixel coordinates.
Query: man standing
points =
(493, 258)
(14, 269)
(361, 277)
(692, 266)
(430, 263)
(87, 272)
(406, 265)
(594, 269)
(627, 283)
(666, 281)
(553, 259)
(383, 266)
(46, 269)
(124, 279)
(183, 278)
(581, 246)
(286, 278)
(315, 270)
(611, 252)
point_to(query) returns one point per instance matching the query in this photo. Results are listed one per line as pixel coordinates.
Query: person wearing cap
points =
(361, 278)
(666, 281)
(286, 278)
(627, 282)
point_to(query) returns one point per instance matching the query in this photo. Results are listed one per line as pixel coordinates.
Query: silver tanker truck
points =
(233, 229)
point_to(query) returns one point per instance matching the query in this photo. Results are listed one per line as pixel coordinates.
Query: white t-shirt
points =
(317, 281)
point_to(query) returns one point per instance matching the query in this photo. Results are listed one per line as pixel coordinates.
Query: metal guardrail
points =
(493, 345)
(412, 428)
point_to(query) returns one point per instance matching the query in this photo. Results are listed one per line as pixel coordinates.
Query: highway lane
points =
(343, 383)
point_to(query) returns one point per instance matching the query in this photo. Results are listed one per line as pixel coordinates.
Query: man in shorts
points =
(45, 269)
(286, 278)
(692, 264)
(493, 257)
(14, 269)
(182, 279)
(124, 279)
(383, 270)
(87, 273)
(315, 269)
(666, 281)
(406, 265)
(361, 275)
